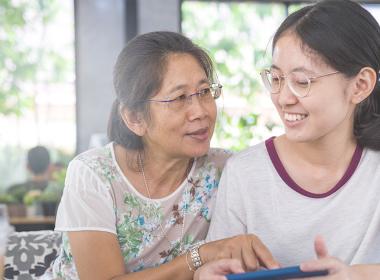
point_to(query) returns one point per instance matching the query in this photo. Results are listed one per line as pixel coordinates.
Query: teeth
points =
(294, 117)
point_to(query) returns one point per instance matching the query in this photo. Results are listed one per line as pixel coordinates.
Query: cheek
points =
(213, 112)
(274, 98)
(330, 110)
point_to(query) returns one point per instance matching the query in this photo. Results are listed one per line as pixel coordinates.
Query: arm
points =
(97, 255)
(217, 269)
(365, 271)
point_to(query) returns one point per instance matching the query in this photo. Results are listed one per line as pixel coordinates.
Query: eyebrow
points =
(297, 69)
(183, 86)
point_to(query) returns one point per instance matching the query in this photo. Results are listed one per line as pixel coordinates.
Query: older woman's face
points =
(187, 131)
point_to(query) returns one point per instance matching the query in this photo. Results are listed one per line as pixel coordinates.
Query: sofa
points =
(30, 254)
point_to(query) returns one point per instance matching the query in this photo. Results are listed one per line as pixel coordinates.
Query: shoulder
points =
(98, 162)
(215, 158)
(96, 156)
(211, 165)
(370, 161)
(372, 154)
(254, 155)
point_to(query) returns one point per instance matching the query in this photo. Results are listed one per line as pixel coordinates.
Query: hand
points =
(248, 249)
(337, 269)
(216, 270)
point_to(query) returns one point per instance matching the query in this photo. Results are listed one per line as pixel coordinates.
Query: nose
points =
(196, 109)
(285, 96)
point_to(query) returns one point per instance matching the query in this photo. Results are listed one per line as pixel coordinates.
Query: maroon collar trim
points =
(269, 143)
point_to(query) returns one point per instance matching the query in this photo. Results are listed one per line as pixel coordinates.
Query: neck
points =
(325, 152)
(40, 178)
(164, 174)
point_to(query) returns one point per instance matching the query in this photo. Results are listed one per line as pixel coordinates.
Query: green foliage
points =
(295, 7)
(237, 36)
(24, 62)
(52, 195)
(31, 197)
(54, 190)
(7, 198)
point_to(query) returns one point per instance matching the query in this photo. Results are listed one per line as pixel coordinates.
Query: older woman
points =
(140, 205)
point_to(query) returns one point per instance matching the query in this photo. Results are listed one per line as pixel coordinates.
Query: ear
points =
(364, 83)
(134, 121)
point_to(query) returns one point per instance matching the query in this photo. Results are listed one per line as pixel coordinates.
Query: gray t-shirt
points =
(256, 195)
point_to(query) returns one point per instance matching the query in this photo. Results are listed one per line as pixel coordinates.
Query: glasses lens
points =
(205, 95)
(271, 81)
(299, 83)
(177, 103)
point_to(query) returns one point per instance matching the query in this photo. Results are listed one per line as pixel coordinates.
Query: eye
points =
(204, 92)
(300, 79)
(275, 78)
(180, 98)
(302, 82)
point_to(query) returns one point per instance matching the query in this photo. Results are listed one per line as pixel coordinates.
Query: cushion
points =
(29, 254)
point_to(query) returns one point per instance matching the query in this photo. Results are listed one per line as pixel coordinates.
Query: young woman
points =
(322, 177)
(136, 208)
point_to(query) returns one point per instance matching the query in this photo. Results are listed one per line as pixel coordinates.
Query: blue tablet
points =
(276, 274)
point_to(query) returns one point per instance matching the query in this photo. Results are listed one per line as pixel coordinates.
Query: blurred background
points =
(56, 60)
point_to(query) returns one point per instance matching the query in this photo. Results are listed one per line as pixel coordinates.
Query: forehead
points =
(182, 69)
(290, 53)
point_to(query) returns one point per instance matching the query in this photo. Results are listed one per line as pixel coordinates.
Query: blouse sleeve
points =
(229, 214)
(86, 202)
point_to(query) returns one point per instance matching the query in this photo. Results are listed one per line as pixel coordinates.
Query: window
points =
(238, 37)
(37, 92)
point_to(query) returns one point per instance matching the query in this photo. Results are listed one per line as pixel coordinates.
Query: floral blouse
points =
(97, 196)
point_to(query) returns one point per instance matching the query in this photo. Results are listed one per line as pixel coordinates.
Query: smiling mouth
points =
(294, 117)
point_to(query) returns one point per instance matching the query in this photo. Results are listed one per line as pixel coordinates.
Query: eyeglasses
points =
(298, 82)
(205, 95)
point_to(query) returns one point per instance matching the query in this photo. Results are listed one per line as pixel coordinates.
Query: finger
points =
(328, 263)
(320, 247)
(231, 266)
(237, 255)
(250, 260)
(236, 266)
(263, 254)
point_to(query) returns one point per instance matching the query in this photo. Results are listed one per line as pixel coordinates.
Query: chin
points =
(293, 137)
(199, 151)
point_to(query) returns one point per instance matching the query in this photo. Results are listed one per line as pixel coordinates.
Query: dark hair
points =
(347, 37)
(38, 160)
(138, 75)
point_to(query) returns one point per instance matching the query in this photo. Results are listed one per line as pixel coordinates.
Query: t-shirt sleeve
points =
(86, 202)
(228, 217)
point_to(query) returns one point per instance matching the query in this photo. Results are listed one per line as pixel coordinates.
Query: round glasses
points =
(205, 95)
(298, 82)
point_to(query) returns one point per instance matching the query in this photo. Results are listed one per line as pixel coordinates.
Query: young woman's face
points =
(326, 111)
(185, 131)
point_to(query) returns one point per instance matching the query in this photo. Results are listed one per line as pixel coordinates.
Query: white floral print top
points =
(97, 196)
